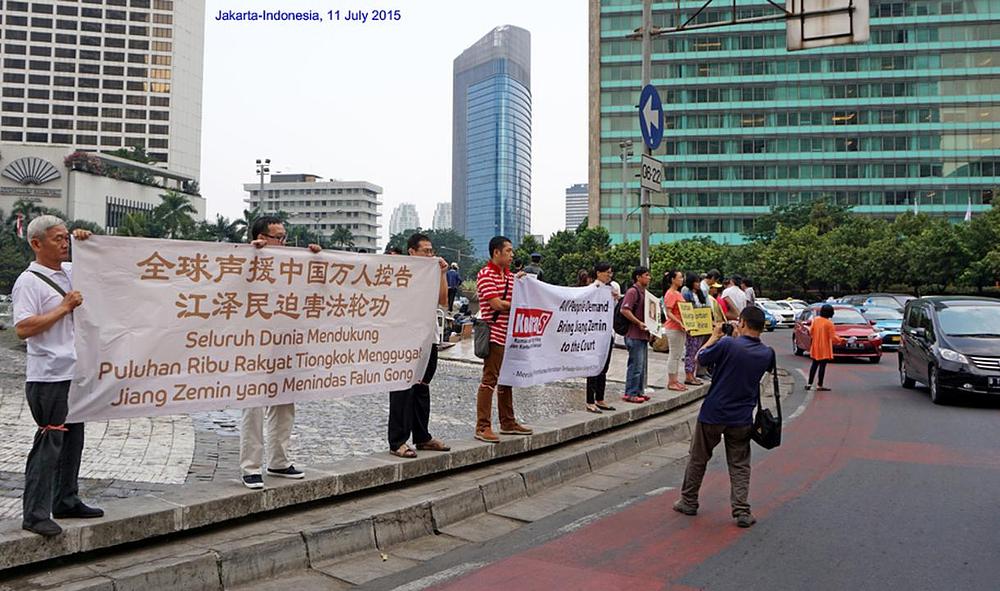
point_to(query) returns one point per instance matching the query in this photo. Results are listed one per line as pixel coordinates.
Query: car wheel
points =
(875, 359)
(937, 397)
(905, 380)
(795, 347)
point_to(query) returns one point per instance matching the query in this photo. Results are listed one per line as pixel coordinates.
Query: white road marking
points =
(808, 399)
(441, 577)
(659, 491)
(575, 525)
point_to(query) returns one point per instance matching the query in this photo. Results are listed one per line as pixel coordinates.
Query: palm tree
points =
(174, 214)
(134, 224)
(222, 230)
(341, 238)
(244, 224)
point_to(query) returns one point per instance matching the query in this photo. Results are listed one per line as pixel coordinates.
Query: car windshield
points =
(783, 305)
(883, 314)
(845, 316)
(971, 321)
(771, 305)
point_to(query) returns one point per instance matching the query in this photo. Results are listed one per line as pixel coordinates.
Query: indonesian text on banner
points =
(556, 332)
(173, 327)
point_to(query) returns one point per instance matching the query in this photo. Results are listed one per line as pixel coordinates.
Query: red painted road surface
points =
(650, 547)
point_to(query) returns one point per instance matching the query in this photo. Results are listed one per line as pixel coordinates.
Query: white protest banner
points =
(556, 332)
(172, 326)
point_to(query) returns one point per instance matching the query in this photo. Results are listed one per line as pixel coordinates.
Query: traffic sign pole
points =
(647, 48)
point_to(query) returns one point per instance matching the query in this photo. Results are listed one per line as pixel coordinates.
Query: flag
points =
(968, 211)
(20, 225)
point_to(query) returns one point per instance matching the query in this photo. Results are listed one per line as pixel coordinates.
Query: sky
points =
(372, 101)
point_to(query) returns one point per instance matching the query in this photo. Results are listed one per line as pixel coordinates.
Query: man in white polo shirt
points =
(44, 301)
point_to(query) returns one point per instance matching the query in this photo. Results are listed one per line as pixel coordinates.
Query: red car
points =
(847, 322)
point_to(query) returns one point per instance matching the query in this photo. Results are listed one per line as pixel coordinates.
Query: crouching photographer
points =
(739, 362)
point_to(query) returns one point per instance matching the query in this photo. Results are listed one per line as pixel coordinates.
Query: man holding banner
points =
(495, 287)
(44, 301)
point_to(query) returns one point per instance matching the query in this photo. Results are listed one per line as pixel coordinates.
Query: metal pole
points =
(647, 47)
(626, 147)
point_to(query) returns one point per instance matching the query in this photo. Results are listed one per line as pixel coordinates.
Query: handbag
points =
(767, 427)
(481, 330)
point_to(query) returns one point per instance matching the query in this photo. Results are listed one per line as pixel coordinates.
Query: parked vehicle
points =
(770, 320)
(847, 323)
(782, 311)
(887, 323)
(797, 305)
(951, 344)
(887, 300)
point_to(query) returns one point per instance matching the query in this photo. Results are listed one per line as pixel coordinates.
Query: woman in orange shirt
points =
(824, 337)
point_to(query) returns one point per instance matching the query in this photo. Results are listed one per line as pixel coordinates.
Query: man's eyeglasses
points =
(429, 251)
(280, 237)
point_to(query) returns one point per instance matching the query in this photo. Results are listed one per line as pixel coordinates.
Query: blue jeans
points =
(635, 373)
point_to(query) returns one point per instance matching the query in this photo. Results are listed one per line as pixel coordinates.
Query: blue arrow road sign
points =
(651, 117)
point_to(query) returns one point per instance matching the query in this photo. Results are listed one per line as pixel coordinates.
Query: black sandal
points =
(605, 406)
(594, 409)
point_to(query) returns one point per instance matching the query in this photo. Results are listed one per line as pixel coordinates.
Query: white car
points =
(783, 311)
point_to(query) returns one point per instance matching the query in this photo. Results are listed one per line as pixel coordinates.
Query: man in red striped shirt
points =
(495, 287)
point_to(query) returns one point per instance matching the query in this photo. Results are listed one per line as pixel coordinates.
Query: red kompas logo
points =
(530, 322)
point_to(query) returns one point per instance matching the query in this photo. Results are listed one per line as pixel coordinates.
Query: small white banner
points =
(556, 333)
(170, 327)
(652, 315)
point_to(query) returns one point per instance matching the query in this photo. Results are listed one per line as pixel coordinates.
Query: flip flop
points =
(407, 452)
(433, 445)
(594, 409)
(694, 383)
(634, 399)
(605, 406)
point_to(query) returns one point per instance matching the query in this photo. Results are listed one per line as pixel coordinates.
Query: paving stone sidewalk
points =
(132, 457)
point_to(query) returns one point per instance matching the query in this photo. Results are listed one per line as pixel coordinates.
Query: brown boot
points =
(487, 435)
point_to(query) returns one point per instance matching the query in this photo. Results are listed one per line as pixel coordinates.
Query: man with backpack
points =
(636, 337)
(727, 412)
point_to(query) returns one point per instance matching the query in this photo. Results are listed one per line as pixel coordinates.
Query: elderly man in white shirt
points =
(44, 301)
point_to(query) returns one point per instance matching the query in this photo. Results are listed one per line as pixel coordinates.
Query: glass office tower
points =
(491, 143)
(908, 121)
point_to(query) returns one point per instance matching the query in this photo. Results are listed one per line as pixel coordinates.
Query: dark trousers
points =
(819, 364)
(703, 441)
(410, 409)
(596, 384)
(452, 292)
(53, 467)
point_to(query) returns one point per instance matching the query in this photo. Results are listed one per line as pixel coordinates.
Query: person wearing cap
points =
(454, 282)
(535, 268)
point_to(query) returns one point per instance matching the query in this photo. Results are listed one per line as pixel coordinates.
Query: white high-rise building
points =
(576, 205)
(442, 217)
(102, 75)
(323, 206)
(404, 217)
(83, 79)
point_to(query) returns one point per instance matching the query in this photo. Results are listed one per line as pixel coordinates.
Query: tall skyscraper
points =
(404, 217)
(491, 138)
(100, 75)
(442, 217)
(576, 205)
(910, 119)
(323, 206)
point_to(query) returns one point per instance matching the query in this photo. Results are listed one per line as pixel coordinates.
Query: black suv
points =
(952, 344)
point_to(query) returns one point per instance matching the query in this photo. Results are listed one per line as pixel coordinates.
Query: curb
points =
(153, 515)
(325, 535)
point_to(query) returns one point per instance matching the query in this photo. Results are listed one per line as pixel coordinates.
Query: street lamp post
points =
(262, 169)
(626, 153)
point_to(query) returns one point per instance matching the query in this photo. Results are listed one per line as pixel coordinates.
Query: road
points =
(874, 487)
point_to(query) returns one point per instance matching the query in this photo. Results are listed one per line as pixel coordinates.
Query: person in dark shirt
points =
(739, 364)
(454, 282)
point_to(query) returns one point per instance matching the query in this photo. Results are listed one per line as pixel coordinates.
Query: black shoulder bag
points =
(481, 328)
(766, 427)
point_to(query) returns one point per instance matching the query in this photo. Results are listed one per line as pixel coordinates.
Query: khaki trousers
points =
(278, 420)
(484, 398)
(704, 440)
